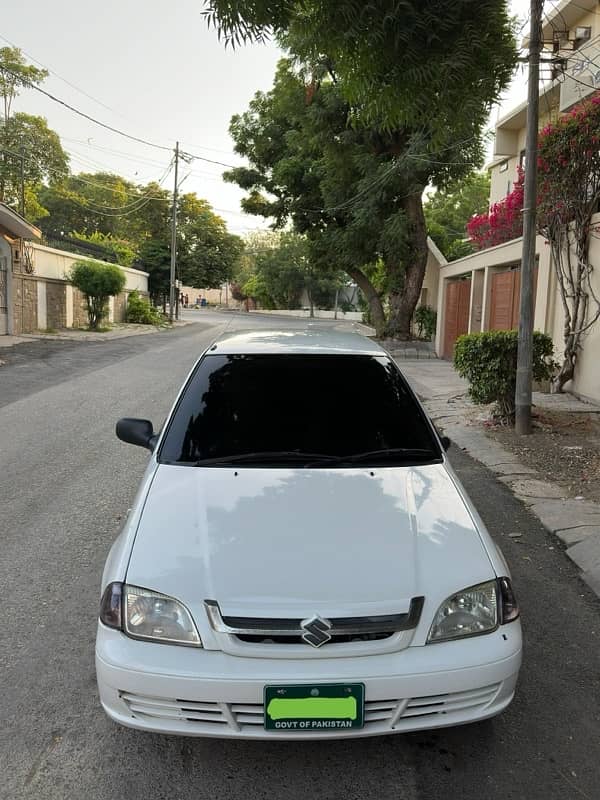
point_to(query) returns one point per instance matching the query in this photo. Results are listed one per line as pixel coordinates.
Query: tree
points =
(28, 137)
(206, 251)
(15, 74)
(120, 249)
(402, 70)
(155, 259)
(100, 202)
(354, 192)
(97, 282)
(279, 271)
(448, 211)
(25, 139)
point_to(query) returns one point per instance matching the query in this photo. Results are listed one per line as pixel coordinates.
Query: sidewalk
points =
(117, 331)
(575, 522)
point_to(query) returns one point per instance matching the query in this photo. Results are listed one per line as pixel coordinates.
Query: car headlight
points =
(144, 614)
(467, 613)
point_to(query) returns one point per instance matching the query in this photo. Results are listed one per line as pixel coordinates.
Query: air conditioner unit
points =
(582, 34)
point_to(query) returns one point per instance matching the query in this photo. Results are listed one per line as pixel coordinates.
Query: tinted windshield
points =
(295, 404)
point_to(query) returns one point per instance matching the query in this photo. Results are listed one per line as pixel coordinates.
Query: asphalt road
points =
(66, 483)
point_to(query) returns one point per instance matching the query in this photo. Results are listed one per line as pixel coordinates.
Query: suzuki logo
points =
(316, 631)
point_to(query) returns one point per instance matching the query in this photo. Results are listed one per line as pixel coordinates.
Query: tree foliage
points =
(414, 64)
(448, 211)
(97, 282)
(278, 267)
(104, 203)
(44, 160)
(25, 138)
(207, 252)
(15, 74)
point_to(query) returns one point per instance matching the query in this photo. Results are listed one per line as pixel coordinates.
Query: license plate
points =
(314, 707)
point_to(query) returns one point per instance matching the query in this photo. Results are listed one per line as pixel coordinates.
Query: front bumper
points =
(194, 692)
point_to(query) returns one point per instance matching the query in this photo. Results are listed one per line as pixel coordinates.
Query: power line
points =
(99, 102)
(53, 72)
(61, 174)
(113, 129)
(86, 116)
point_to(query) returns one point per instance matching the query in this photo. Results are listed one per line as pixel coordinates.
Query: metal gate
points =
(3, 295)
(458, 299)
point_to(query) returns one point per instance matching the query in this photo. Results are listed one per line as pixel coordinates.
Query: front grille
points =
(315, 631)
(394, 714)
(336, 638)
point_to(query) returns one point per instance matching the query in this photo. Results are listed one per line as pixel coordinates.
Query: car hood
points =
(293, 542)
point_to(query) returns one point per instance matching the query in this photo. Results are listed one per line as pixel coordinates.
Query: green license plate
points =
(314, 707)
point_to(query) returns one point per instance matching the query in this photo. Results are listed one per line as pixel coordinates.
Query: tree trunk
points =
(372, 298)
(403, 301)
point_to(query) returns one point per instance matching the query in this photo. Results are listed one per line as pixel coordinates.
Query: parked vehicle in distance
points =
(301, 561)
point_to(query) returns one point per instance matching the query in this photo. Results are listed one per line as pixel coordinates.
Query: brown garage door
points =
(504, 301)
(456, 314)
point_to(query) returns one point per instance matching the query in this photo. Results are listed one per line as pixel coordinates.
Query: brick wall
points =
(120, 304)
(80, 317)
(56, 305)
(24, 304)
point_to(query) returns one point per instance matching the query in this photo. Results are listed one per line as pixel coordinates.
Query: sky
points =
(154, 70)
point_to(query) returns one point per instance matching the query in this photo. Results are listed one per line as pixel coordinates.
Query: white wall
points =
(51, 263)
(355, 316)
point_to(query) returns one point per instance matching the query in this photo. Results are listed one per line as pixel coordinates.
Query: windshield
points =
(306, 410)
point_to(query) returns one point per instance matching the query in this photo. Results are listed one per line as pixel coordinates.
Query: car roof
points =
(308, 340)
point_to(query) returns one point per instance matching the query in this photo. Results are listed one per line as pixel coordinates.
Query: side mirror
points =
(445, 440)
(136, 431)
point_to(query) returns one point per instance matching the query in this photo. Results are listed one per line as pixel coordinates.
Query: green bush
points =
(97, 282)
(425, 319)
(141, 311)
(489, 362)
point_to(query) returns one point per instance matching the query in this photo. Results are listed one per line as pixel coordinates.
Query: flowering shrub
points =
(568, 163)
(503, 222)
(568, 197)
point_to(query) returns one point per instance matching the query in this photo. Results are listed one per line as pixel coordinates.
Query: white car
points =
(300, 560)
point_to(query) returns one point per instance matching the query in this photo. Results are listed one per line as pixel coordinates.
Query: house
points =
(35, 292)
(481, 292)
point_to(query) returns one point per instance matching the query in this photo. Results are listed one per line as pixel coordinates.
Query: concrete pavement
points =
(575, 522)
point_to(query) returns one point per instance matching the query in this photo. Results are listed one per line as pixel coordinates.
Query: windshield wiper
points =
(267, 457)
(396, 454)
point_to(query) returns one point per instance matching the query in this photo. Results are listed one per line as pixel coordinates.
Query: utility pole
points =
(22, 203)
(173, 239)
(525, 348)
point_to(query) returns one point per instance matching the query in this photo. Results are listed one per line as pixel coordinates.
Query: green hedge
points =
(139, 310)
(488, 361)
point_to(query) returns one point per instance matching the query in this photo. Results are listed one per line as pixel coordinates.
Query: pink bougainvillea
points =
(503, 222)
(569, 155)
